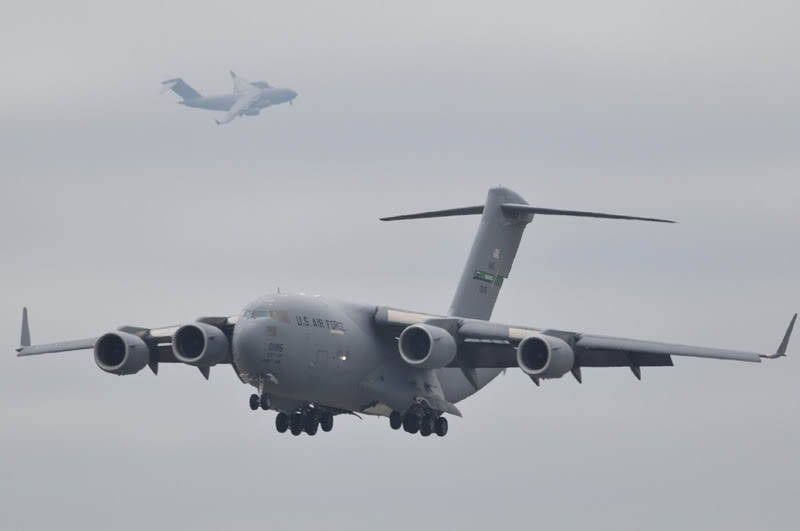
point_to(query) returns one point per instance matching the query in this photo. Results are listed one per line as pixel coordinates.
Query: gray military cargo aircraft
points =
(247, 99)
(311, 358)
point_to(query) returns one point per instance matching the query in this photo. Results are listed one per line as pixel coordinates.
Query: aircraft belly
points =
(212, 103)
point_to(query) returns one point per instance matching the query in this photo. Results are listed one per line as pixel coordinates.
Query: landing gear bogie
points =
(308, 421)
(425, 422)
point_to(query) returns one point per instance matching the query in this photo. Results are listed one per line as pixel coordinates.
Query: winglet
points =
(785, 343)
(25, 335)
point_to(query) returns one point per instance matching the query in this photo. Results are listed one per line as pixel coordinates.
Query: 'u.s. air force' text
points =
(328, 324)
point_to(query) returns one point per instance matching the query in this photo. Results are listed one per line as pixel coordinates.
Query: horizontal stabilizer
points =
(509, 208)
(181, 88)
(465, 211)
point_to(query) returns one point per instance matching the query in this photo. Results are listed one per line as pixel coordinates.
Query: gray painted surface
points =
(119, 206)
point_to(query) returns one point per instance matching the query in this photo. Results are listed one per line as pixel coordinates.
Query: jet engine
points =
(200, 344)
(121, 353)
(427, 347)
(545, 357)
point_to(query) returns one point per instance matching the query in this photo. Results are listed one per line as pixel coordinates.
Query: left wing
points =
(484, 344)
(240, 106)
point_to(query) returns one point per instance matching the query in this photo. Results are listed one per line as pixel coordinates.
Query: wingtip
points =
(785, 343)
(25, 334)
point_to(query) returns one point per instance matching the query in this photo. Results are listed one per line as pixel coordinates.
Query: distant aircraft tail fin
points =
(181, 88)
(503, 219)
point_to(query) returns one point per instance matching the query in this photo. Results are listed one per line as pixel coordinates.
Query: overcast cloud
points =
(118, 206)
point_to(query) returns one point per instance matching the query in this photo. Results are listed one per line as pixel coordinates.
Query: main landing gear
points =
(308, 420)
(304, 421)
(424, 422)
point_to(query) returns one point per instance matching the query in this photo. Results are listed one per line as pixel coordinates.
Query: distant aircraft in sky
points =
(311, 358)
(247, 99)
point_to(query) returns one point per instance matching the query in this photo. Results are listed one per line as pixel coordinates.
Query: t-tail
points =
(181, 88)
(503, 219)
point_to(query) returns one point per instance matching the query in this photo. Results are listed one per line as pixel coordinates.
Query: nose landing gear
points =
(257, 401)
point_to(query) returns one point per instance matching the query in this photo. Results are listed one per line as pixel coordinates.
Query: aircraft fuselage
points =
(305, 349)
(224, 102)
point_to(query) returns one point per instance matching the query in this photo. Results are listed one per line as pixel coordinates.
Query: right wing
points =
(240, 106)
(158, 340)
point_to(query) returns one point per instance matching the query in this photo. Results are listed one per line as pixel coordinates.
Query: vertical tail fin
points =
(490, 258)
(493, 251)
(503, 219)
(181, 88)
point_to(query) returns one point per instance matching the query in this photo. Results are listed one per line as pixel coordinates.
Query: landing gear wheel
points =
(326, 422)
(296, 424)
(396, 420)
(254, 402)
(312, 429)
(282, 422)
(264, 402)
(411, 423)
(441, 426)
(311, 423)
(427, 426)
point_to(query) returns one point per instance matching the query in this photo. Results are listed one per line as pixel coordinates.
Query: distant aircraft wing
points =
(240, 84)
(485, 344)
(240, 106)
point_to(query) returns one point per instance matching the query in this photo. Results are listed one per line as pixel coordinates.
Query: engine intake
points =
(200, 344)
(121, 353)
(426, 346)
(545, 356)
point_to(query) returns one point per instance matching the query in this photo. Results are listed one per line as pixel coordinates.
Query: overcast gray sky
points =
(118, 206)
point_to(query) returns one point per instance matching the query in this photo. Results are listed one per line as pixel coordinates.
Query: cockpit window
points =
(260, 314)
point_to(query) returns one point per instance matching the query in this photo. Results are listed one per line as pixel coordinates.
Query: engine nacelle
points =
(545, 357)
(121, 353)
(200, 344)
(426, 346)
